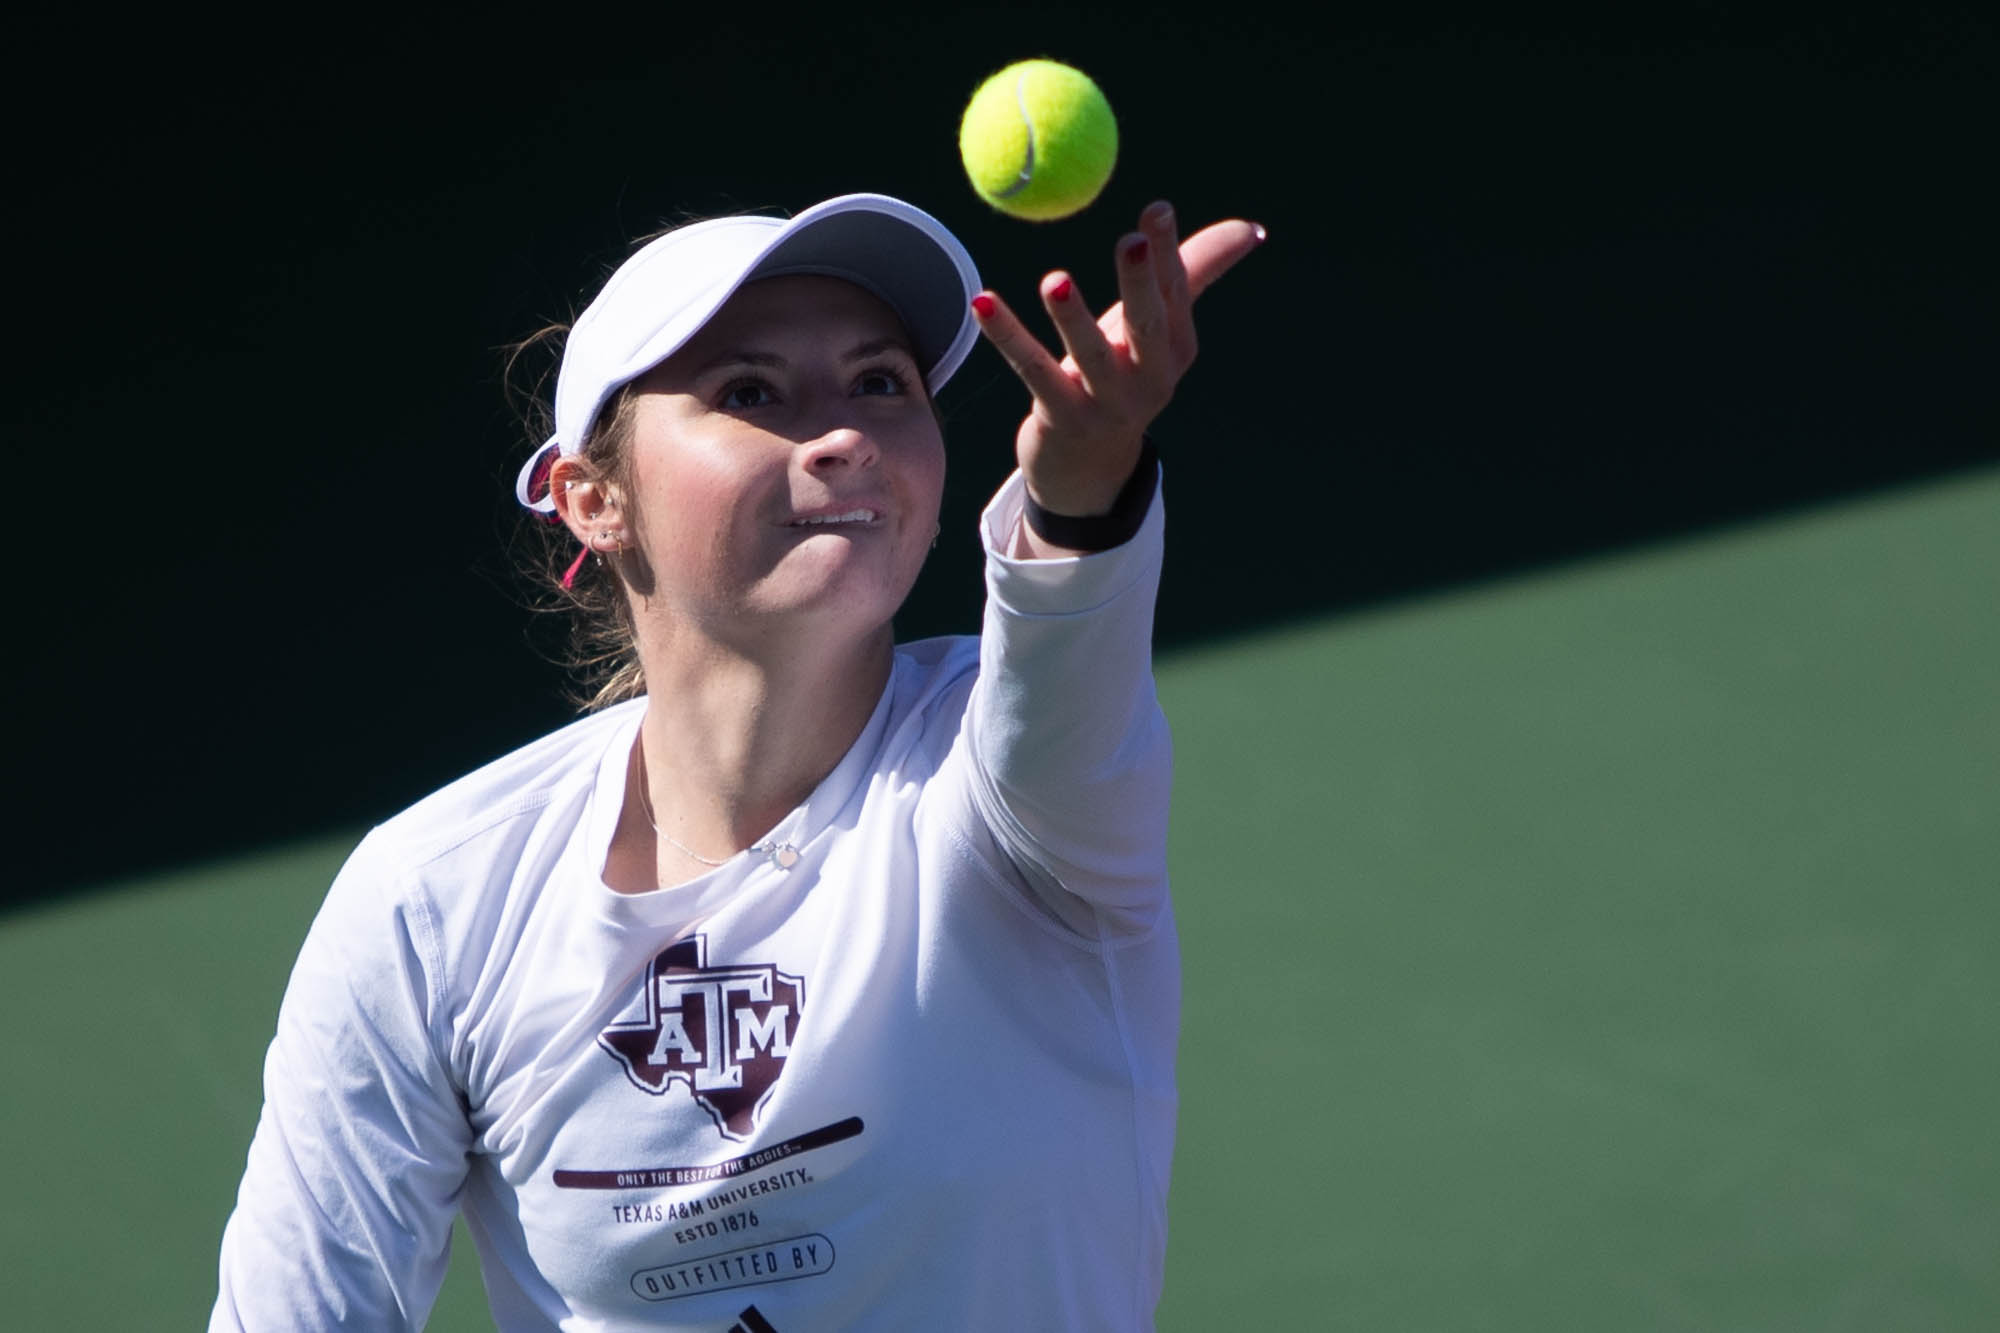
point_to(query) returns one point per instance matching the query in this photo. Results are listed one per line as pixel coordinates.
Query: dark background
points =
(1534, 290)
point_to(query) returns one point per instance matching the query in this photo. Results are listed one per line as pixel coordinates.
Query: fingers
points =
(1090, 353)
(1194, 266)
(1150, 329)
(1140, 262)
(1093, 364)
(1171, 269)
(1022, 351)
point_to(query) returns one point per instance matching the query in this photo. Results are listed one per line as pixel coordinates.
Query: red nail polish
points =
(1062, 289)
(1137, 254)
(984, 306)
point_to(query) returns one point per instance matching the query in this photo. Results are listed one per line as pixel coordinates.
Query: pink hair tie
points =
(569, 575)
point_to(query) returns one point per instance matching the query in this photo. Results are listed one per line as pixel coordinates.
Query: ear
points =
(588, 505)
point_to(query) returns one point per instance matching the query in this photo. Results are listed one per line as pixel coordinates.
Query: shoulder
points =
(456, 856)
(518, 785)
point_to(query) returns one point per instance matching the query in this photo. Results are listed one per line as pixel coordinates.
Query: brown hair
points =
(601, 655)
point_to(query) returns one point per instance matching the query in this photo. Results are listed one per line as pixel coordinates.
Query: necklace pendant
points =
(784, 856)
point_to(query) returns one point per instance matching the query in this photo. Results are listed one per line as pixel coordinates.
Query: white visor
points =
(662, 295)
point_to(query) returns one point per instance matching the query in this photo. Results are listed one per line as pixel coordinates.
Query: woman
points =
(825, 983)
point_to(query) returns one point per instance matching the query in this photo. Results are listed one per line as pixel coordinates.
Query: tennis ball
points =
(1038, 140)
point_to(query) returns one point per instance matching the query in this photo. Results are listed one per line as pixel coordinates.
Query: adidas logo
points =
(749, 1321)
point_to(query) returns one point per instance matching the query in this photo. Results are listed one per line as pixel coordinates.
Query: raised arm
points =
(1071, 756)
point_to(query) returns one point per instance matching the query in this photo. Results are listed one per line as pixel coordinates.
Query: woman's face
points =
(785, 464)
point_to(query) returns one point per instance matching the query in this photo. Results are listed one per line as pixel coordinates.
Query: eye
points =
(739, 395)
(882, 380)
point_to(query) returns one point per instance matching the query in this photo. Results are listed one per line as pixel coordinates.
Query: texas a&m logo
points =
(722, 1032)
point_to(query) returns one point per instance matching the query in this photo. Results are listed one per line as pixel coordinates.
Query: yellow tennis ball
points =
(1038, 140)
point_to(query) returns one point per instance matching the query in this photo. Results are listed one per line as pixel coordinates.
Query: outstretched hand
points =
(1082, 436)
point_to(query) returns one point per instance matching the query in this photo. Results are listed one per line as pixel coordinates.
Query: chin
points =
(846, 603)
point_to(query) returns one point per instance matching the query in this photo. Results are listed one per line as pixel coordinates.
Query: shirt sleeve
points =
(1072, 759)
(344, 1215)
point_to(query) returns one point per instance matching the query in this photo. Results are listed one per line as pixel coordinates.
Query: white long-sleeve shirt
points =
(921, 1079)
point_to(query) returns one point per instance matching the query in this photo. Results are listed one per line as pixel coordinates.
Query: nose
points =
(841, 447)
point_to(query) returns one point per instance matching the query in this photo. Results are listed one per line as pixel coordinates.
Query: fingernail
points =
(1062, 289)
(1137, 254)
(1261, 233)
(983, 306)
(1161, 212)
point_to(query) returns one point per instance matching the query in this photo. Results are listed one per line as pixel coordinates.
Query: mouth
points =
(863, 517)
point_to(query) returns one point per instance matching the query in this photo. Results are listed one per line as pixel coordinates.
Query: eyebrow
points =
(743, 356)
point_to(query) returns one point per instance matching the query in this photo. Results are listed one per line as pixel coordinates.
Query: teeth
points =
(852, 516)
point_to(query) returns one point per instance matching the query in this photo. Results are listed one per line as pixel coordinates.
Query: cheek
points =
(690, 502)
(933, 483)
(927, 503)
(925, 471)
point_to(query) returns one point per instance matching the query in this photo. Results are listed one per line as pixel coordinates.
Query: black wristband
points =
(1101, 532)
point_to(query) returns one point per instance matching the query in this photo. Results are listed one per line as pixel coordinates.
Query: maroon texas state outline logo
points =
(723, 1032)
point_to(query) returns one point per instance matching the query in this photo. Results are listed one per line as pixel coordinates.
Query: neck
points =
(732, 743)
